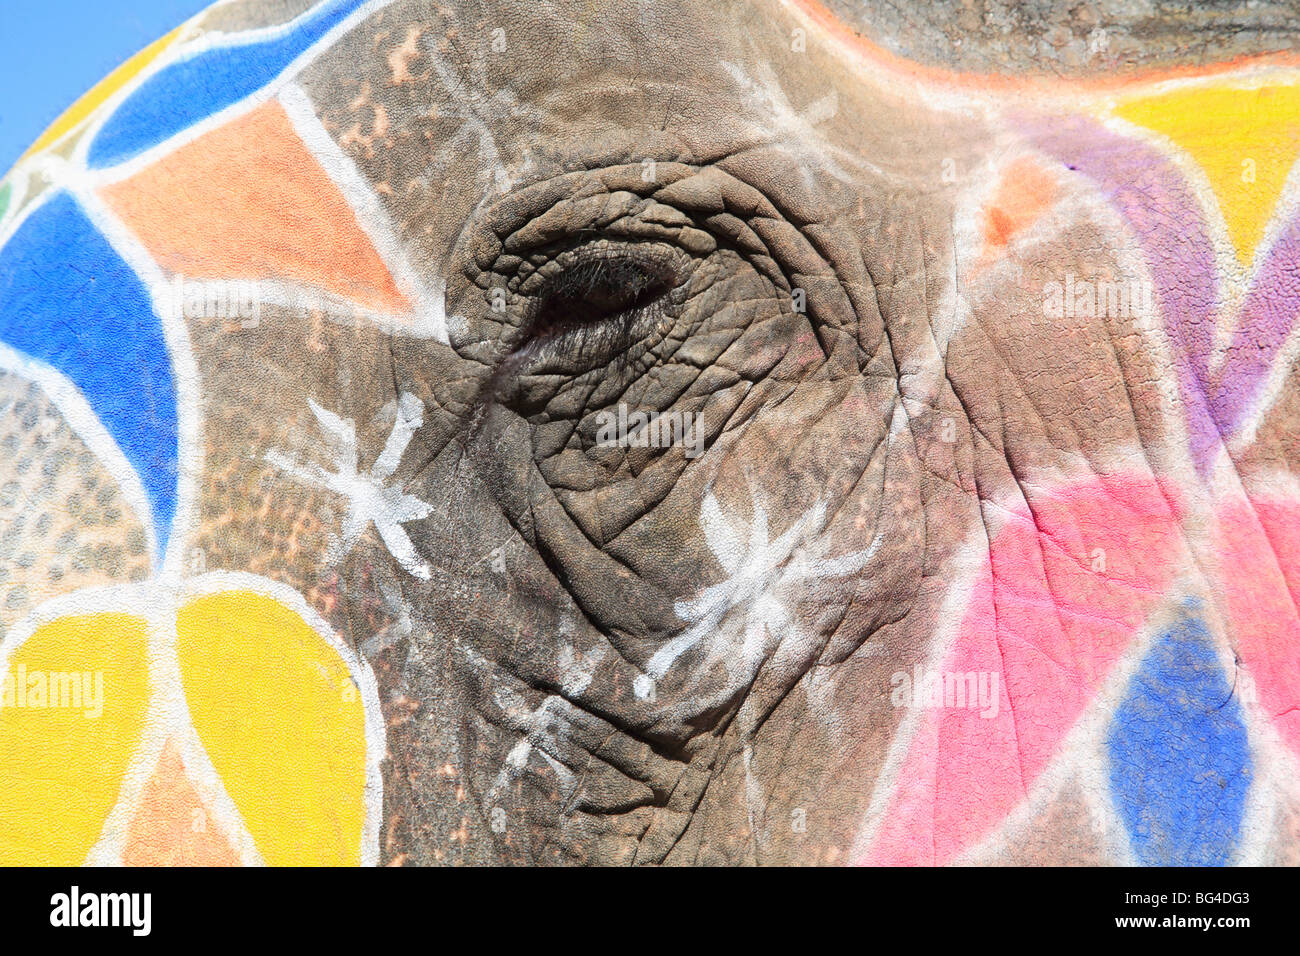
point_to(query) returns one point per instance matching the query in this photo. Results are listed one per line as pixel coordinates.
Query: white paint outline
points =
(1083, 734)
(185, 375)
(259, 97)
(163, 718)
(216, 582)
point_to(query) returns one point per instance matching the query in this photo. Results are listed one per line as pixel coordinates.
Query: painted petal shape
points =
(1261, 547)
(63, 765)
(1064, 591)
(183, 93)
(280, 714)
(69, 301)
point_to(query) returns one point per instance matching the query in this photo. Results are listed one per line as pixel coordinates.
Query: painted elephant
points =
(664, 432)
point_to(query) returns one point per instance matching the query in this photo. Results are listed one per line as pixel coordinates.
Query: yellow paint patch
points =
(282, 721)
(1246, 141)
(105, 88)
(63, 766)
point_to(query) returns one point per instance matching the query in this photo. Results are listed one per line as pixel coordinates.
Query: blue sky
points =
(52, 51)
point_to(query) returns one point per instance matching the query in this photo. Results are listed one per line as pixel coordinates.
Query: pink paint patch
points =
(1064, 592)
(1260, 553)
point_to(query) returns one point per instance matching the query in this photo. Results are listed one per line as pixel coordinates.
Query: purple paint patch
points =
(1153, 197)
(1267, 319)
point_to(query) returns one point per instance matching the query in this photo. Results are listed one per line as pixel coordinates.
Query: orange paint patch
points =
(1025, 192)
(171, 827)
(249, 201)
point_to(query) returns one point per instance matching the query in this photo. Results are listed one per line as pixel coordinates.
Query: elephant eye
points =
(598, 306)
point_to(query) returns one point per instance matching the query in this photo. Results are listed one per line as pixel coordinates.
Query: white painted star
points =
(371, 499)
(546, 727)
(796, 130)
(763, 575)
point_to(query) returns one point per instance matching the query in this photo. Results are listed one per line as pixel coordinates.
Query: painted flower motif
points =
(215, 719)
(1148, 660)
(217, 723)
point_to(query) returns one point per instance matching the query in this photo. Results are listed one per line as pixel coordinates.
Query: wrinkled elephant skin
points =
(666, 432)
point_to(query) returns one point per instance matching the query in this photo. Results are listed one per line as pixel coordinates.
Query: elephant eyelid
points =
(598, 305)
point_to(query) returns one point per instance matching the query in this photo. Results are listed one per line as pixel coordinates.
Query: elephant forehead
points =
(1062, 37)
(576, 82)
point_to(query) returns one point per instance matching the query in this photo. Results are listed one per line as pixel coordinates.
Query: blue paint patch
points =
(179, 95)
(1179, 761)
(68, 300)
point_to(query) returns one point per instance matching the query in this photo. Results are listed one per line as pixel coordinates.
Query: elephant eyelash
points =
(598, 307)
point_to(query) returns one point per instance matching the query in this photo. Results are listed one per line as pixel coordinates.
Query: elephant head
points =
(733, 433)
